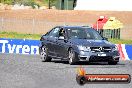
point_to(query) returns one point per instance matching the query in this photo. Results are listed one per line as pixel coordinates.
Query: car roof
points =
(68, 27)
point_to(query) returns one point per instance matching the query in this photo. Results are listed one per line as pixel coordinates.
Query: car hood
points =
(86, 42)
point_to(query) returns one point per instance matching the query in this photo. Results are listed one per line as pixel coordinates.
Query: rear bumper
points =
(99, 56)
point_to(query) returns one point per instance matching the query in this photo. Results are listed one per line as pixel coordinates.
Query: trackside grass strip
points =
(16, 35)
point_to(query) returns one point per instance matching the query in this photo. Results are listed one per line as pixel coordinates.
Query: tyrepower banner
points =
(19, 46)
(24, 46)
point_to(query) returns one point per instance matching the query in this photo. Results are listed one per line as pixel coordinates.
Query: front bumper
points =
(99, 56)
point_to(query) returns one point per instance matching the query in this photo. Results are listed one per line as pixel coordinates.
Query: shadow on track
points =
(85, 63)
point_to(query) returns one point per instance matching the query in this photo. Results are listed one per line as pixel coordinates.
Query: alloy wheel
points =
(71, 56)
(44, 53)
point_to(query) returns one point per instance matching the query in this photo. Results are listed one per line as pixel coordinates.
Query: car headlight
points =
(84, 48)
(115, 48)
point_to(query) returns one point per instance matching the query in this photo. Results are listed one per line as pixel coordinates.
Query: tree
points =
(50, 2)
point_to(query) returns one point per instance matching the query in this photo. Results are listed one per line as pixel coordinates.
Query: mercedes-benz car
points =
(77, 43)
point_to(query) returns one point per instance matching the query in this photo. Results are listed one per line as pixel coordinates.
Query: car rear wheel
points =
(72, 57)
(112, 63)
(44, 54)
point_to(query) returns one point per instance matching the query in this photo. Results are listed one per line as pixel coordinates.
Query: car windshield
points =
(83, 33)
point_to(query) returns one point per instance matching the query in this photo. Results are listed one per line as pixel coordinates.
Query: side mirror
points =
(61, 38)
(105, 39)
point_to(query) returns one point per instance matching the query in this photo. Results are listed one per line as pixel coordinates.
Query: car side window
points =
(61, 32)
(54, 33)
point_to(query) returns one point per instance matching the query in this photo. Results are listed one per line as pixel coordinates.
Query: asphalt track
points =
(27, 71)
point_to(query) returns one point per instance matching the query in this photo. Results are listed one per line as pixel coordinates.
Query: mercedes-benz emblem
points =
(101, 48)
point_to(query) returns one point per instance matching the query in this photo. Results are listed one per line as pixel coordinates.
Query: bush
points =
(29, 3)
(9, 2)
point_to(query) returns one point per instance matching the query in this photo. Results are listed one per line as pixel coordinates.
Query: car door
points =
(61, 47)
(51, 41)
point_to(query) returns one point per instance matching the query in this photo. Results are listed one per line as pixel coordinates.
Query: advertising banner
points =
(24, 46)
(19, 46)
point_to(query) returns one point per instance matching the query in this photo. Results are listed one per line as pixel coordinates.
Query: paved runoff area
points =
(28, 71)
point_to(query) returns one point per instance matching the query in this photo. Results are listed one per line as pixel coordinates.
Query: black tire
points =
(72, 57)
(81, 80)
(112, 63)
(44, 54)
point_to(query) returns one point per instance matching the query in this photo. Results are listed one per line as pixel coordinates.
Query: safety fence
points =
(33, 26)
(110, 33)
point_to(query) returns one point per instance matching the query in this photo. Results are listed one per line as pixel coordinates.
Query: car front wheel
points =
(44, 54)
(72, 57)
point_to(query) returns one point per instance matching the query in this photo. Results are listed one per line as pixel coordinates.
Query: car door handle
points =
(58, 43)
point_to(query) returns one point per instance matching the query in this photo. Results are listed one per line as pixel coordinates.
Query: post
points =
(49, 3)
(97, 26)
(60, 4)
(2, 22)
(33, 26)
(67, 5)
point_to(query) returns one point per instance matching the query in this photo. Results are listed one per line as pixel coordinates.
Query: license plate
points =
(102, 54)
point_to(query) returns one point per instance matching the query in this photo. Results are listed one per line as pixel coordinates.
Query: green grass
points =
(16, 35)
(120, 41)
